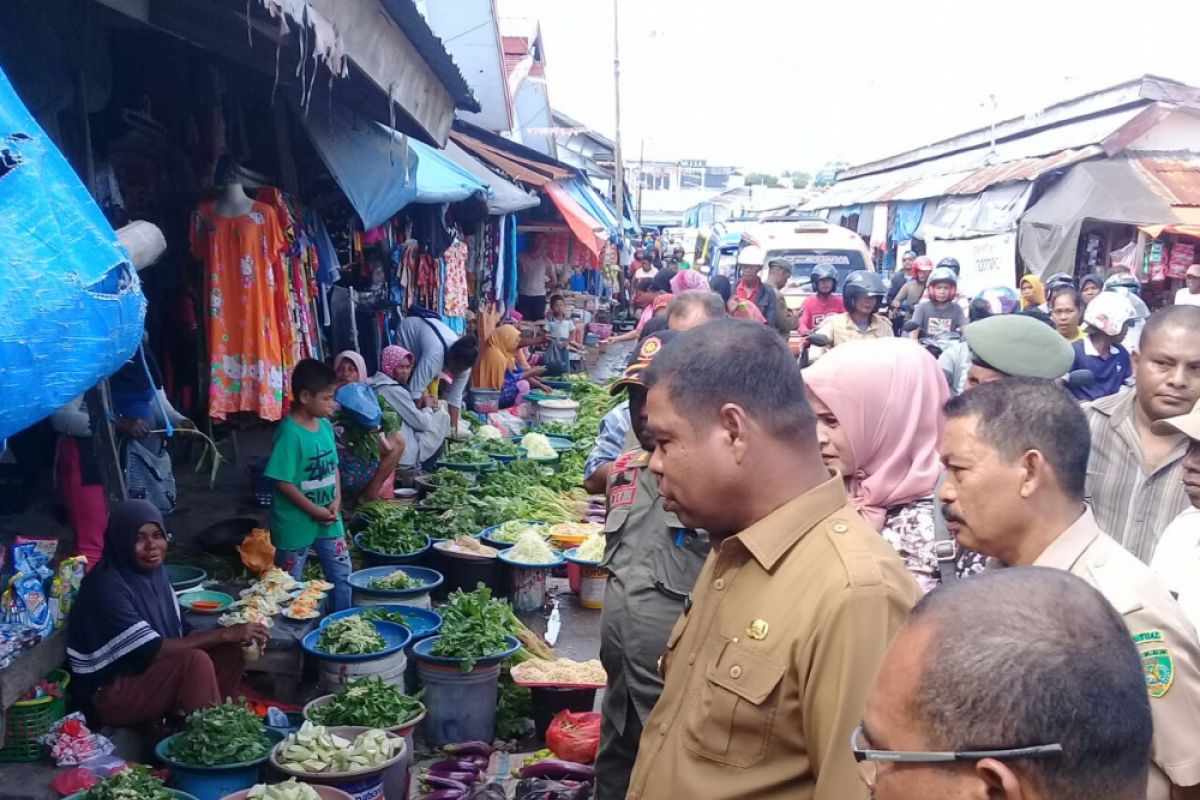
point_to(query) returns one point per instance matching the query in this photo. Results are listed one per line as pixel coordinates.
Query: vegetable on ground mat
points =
(314, 749)
(131, 783)
(229, 733)
(369, 703)
(351, 636)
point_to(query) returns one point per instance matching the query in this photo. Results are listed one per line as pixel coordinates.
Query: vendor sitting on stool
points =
(130, 660)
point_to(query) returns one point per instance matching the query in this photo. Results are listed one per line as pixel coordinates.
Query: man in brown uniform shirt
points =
(766, 675)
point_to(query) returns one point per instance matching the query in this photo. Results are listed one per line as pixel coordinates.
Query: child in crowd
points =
(561, 329)
(939, 315)
(307, 499)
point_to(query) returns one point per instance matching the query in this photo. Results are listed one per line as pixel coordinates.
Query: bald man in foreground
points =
(1029, 662)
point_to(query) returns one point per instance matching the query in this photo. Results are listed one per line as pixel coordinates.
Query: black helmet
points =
(820, 272)
(950, 264)
(942, 275)
(862, 283)
(1059, 280)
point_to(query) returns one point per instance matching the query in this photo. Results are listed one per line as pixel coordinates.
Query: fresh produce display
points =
(369, 703)
(531, 548)
(394, 531)
(388, 615)
(497, 447)
(351, 636)
(364, 442)
(512, 530)
(592, 548)
(486, 432)
(560, 671)
(449, 479)
(538, 446)
(314, 749)
(131, 783)
(449, 523)
(466, 456)
(473, 626)
(229, 733)
(557, 429)
(291, 789)
(397, 580)
(467, 546)
(454, 777)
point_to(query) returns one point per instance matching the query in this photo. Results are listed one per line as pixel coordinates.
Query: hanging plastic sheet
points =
(72, 308)
(908, 219)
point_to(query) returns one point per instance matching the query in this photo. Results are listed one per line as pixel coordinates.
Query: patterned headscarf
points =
(392, 357)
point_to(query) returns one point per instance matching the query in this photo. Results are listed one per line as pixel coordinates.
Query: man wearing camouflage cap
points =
(652, 562)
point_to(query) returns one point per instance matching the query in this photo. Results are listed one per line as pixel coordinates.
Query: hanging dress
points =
(250, 335)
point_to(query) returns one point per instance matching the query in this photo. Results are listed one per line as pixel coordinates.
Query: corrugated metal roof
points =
(405, 14)
(1174, 176)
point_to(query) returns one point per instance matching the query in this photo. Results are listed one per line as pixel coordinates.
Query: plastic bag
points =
(362, 403)
(574, 736)
(73, 781)
(71, 743)
(256, 550)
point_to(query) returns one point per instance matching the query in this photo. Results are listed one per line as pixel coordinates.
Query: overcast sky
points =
(793, 84)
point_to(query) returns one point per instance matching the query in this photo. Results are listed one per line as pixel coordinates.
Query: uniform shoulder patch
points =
(1159, 668)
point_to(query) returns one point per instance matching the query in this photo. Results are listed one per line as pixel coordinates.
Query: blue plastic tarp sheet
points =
(582, 193)
(72, 310)
(908, 219)
(380, 172)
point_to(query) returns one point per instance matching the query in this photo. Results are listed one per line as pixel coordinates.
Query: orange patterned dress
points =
(249, 330)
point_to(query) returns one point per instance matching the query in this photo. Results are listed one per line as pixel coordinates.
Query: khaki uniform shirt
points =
(840, 328)
(652, 562)
(767, 674)
(1165, 639)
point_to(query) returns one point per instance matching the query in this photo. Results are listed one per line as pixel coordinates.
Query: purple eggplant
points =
(559, 770)
(441, 794)
(468, 749)
(457, 776)
(453, 765)
(481, 762)
(436, 781)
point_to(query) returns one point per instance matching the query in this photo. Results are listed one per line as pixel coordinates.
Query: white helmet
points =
(751, 256)
(1109, 312)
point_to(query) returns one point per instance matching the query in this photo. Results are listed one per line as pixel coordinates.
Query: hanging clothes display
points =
(250, 339)
(300, 264)
(454, 287)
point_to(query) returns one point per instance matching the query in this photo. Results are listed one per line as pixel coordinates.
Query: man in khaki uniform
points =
(766, 674)
(1016, 453)
(652, 561)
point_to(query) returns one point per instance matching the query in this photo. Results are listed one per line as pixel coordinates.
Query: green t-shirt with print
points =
(309, 460)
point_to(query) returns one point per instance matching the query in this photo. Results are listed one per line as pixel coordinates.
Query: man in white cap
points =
(751, 287)
(1177, 555)
(1190, 295)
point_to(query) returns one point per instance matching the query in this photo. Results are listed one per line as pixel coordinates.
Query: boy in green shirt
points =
(307, 498)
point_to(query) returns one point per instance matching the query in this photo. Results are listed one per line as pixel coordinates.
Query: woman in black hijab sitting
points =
(131, 659)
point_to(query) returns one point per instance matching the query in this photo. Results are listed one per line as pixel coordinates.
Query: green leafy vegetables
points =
(363, 442)
(370, 703)
(449, 479)
(351, 636)
(131, 783)
(474, 626)
(497, 447)
(392, 529)
(467, 456)
(229, 733)
(399, 579)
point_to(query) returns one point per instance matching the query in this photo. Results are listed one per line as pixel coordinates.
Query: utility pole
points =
(641, 178)
(620, 166)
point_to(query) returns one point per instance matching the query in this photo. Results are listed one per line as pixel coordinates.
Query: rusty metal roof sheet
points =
(1173, 176)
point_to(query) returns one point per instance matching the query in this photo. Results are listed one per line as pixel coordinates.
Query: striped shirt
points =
(1134, 507)
(614, 427)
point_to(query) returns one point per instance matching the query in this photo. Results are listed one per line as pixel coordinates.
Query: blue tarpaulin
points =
(381, 173)
(72, 309)
(908, 219)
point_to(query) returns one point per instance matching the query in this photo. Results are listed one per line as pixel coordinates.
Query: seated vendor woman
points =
(502, 365)
(131, 656)
(367, 460)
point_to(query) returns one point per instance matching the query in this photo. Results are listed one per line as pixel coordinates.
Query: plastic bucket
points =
(466, 573)
(574, 577)
(333, 676)
(592, 584)
(485, 401)
(324, 792)
(213, 783)
(548, 701)
(565, 411)
(461, 705)
(528, 587)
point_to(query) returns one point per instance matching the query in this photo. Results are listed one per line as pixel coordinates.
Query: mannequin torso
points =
(233, 202)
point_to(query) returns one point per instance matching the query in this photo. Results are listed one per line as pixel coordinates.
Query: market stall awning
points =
(517, 167)
(382, 171)
(587, 229)
(506, 197)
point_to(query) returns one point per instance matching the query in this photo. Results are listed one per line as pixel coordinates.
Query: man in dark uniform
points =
(652, 562)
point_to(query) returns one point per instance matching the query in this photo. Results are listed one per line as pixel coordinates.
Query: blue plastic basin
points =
(396, 637)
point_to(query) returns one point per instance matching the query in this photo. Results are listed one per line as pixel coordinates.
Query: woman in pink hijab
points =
(879, 422)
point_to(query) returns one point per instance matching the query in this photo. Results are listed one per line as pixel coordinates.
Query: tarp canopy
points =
(587, 229)
(382, 171)
(1108, 191)
(506, 197)
(72, 309)
(984, 214)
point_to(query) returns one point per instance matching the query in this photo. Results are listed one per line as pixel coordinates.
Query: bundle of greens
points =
(229, 733)
(370, 703)
(450, 523)
(131, 783)
(466, 456)
(560, 429)
(473, 626)
(497, 447)
(388, 615)
(351, 636)
(449, 479)
(399, 579)
(363, 442)
(395, 533)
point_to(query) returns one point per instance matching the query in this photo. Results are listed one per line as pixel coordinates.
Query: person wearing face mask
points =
(1016, 456)
(424, 428)
(131, 657)
(875, 428)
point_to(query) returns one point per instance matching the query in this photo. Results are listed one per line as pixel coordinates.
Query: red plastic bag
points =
(574, 736)
(73, 780)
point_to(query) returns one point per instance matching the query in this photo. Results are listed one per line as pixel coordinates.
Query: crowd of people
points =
(962, 561)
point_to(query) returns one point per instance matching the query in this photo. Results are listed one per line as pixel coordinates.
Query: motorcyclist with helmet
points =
(1106, 322)
(911, 293)
(939, 315)
(778, 272)
(1055, 282)
(862, 294)
(822, 303)
(1129, 286)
